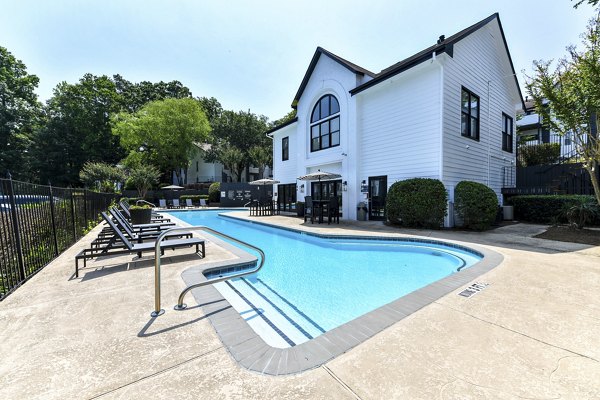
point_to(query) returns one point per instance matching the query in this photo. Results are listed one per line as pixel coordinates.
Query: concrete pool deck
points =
(532, 333)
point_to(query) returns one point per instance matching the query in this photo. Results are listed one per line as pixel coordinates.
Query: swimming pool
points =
(310, 285)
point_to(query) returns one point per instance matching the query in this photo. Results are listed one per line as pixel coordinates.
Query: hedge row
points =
(476, 204)
(546, 209)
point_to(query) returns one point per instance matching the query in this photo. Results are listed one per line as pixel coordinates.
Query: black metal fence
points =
(39, 222)
(552, 179)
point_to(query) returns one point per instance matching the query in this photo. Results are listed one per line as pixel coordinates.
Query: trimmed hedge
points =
(539, 154)
(417, 202)
(476, 204)
(546, 209)
(214, 192)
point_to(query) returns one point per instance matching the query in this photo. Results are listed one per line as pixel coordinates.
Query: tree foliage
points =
(164, 132)
(234, 134)
(144, 177)
(593, 3)
(568, 99)
(19, 111)
(101, 176)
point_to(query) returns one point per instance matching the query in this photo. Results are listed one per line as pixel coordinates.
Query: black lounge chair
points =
(106, 237)
(126, 247)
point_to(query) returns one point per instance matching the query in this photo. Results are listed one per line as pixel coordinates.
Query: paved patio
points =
(533, 333)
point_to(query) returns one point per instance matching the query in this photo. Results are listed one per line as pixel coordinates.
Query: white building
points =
(446, 112)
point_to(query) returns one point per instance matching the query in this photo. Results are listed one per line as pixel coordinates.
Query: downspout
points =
(489, 138)
(441, 138)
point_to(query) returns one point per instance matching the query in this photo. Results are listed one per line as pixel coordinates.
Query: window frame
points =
(285, 148)
(468, 114)
(507, 138)
(328, 120)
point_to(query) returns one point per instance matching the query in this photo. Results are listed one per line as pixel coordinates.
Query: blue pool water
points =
(313, 284)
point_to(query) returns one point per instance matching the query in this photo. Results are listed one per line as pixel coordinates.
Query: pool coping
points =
(250, 350)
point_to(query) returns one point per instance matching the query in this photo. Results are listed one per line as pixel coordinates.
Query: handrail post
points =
(16, 230)
(73, 215)
(157, 263)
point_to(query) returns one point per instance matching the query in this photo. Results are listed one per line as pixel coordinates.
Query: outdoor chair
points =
(162, 203)
(188, 203)
(203, 203)
(125, 246)
(333, 210)
(309, 209)
(109, 237)
(176, 203)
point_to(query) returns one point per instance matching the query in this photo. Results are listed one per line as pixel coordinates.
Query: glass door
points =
(377, 195)
(286, 197)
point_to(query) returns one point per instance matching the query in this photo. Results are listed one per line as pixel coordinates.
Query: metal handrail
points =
(180, 305)
(144, 201)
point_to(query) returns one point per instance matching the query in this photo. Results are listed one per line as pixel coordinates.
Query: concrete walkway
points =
(533, 333)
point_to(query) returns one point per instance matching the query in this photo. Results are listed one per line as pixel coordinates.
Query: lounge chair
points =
(162, 203)
(176, 203)
(158, 225)
(203, 203)
(126, 247)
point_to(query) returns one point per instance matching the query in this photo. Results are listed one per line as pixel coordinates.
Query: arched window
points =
(325, 124)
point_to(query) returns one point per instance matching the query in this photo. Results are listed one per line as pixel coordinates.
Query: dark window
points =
(197, 166)
(285, 148)
(507, 133)
(469, 124)
(325, 124)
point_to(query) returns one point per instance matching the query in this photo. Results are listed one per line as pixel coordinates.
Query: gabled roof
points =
(358, 70)
(444, 45)
(278, 127)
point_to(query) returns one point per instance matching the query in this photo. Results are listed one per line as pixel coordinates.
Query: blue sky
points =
(253, 54)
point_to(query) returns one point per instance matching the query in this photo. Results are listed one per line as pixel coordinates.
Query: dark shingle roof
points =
(443, 46)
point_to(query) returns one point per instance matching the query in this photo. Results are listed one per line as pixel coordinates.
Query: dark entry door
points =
(377, 194)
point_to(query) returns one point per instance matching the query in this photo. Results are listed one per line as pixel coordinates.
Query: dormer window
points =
(325, 124)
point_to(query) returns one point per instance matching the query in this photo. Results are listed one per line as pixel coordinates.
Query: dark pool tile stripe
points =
(279, 310)
(260, 314)
(286, 301)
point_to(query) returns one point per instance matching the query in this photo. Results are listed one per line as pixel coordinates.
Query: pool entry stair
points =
(269, 313)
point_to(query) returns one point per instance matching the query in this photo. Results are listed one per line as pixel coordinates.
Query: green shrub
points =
(545, 209)
(582, 212)
(539, 154)
(214, 192)
(417, 202)
(476, 204)
(141, 207)
(131, 200)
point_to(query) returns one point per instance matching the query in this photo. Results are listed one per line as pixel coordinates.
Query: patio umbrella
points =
(172, 187)
(318, 176)
(263, 182)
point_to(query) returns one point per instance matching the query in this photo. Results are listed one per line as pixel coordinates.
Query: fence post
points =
(53, 220)
(85, 214)
(73, 216)
(17, 232)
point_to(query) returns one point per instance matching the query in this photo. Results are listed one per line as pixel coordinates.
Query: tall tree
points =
(77, 129)
(568, 98)
(212, 108)
(164, 132)
(19, 110)
(135, 95)
(240, 130)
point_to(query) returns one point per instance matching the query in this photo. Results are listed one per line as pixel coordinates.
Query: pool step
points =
(269, 313)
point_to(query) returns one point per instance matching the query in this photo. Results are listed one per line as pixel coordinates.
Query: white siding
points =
(480, 63)
(285, 171)
(399, 126)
